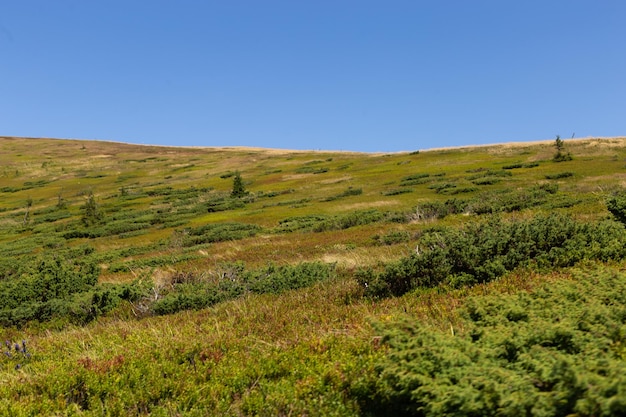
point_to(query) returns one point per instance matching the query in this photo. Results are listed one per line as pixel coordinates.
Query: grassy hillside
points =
(141, 284)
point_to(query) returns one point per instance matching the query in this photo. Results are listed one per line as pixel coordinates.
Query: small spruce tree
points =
(91, 211)
(560, 155)
(239, 190)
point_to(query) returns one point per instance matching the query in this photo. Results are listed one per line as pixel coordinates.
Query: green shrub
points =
(559, 175)
(121, 227)
(489, 173)
(224, 204)
(276, 279)
(617, 206)
(233, 281)
(550, 352)
(562, 201)
(219, 232)
(311, 170)
(415, 179)
(440, 187)
(508, 201)
(397, 191)
(53, 216)
(356, 218)
(90, 233)
(487, 250)
(486, 181)
(562, 157)
(63, 287)
(393, 237)
(291, 224)
(460, 190)
(349, 192)
(45, 279)
(431, 210)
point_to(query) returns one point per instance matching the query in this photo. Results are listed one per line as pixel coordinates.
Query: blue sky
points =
(354, 75)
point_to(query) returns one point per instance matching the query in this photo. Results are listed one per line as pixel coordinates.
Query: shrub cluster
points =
(489, 202)
(224, 203)
(234, 281)
(617, 206)
(219, 232)
(294, 223)
(555, 351)
(55, 287)
(489, 173)
(415, 179)
(511, 200)
(392, 238)
(520, 165)
(560, 175)
(352, 219)
(347, 193)
(396, 191)
(487, 250)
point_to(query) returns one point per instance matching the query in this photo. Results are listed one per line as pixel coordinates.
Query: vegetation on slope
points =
(556, 351)
(167, 281)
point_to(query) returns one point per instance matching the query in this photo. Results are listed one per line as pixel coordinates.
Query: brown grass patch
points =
(369, 204)
(336, 180)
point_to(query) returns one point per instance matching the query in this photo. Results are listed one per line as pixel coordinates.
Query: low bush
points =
(562, 157)
(347, 193)
(219, 232)
(432, 210)
(487, 250)
(233, 281)
(489, 173)
(292, 224)
(415, 179)
(53, 216)
(312, 170)
(555, 351)
(356, 218)
(559, 175)
(90, 233)
(487, 181)
(513, 166)
(508, 201)
(460, 190)
(58, 288)
(616, 204)
(442, 186)
(224, 204)
(397, 191)
(392, 238)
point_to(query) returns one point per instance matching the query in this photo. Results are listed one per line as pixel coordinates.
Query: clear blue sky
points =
(313, 74)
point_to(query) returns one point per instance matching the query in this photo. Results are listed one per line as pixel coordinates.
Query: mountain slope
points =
(272, 313)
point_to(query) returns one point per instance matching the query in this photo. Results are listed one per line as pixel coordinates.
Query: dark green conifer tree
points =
(239, 190)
